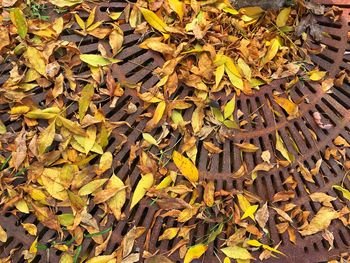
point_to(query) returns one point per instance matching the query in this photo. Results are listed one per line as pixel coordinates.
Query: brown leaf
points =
(209, 193)
(283, 196)
(262, 215)
(322, 198)
(19, 155)
(247, 147)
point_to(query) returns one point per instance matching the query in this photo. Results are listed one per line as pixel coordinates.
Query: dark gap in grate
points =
(324, 57)
(329, 24)
(147, 63)
(333, 109)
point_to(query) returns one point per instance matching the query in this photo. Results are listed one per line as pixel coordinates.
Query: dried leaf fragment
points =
(320, 222)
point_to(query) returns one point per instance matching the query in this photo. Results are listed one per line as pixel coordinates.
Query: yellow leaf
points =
(219, 73)
(235, 81)
(250, 212)
(290, 107)
(256, 243)
(103, 259)
(20, 22)
(283, 16)
(33, 250)
(282, 149)
(115, 15)
(152, 19)
(247, 147)
(247, 73)
(197, 119)
(36, 59)
(251, 11)
(22, 206)
(157, 116)
(164, 183)
(90, 138)
(272, 51)
(340, 141)
(86, 95)
(243, 202)
(116, 203)
(3, 235)
(72, 126)
(66, 258)
(169, 233)
(236, 252)
(195, 252)
(154, 43)
(116, 39)
(178, 7)
(46, 114)
(19, 110)
(105, 163)
(91, 187)
(230, 11)
(186, 167)
(91, 17)
(143, 185)
(31, 228)
(149, 138)
(316, 75)
(64, 3)
(187, 214)
(212, 148)
(2, 128)
(209, 194)
(230, 107)
(46, 138)
(345, 192)
(80, 22)
(320, 222)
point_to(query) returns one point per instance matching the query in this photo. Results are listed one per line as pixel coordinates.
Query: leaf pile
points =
(55, 151)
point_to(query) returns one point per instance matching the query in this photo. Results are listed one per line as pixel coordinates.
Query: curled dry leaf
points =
(320, 221)
(318, 120)
(3, 235)
(247, 147)
(262, 216)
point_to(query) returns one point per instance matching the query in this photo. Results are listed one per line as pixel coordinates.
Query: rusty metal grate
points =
(137, 67)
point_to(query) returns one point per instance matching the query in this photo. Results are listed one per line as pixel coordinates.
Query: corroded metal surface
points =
(137, 66)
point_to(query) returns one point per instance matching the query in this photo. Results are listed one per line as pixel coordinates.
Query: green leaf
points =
(344, 191)
(230, 107)
(2, 128)
(97, 60)
(20, 22)
(149, 138)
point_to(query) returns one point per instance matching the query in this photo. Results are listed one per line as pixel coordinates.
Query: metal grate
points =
(136, 67)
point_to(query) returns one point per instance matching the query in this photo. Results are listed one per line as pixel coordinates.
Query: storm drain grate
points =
(299, 132)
